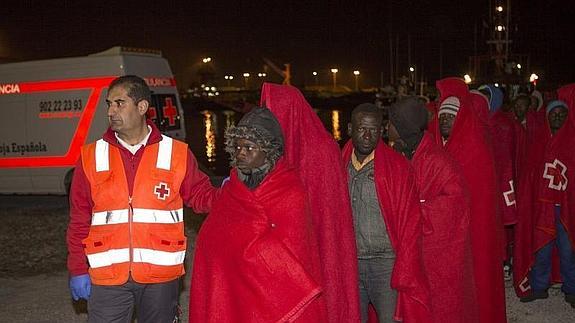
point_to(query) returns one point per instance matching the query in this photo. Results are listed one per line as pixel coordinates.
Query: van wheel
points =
(68, 180)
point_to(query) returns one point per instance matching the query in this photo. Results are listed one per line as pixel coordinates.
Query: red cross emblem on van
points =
(162, 191)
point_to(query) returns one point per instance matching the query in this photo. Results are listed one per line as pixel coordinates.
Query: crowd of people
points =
(467, 191)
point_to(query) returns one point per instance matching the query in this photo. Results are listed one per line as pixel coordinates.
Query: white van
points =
(50, 108)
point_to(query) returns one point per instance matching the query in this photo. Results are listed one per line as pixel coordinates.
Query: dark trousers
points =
(154, 303)
(375, 288)
(541, 271)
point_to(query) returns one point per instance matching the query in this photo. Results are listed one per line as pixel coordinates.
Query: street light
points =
(499, 8)
(356, 75)
(334, 72)
(519, 66)
(246, 77)
(206, 60)
(467, 78)
(412, 77)
(315, 78)
(262, 74)
(229, 78)
(500, 28)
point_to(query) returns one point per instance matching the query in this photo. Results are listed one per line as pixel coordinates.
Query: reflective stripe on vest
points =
(109, 257)
(139, 215)
(164, 154)
(154, 257)
(102, 156)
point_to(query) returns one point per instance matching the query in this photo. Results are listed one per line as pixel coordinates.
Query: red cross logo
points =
(170, 111)
(162, 191)
(524, 285)
(510, 195)
(556, 174)
(152, 114)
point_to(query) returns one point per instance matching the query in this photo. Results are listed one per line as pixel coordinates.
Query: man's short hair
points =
(136, 87)
(367, 108)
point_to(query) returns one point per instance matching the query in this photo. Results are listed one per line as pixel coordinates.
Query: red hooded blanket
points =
(469, 147)
(256, 259)
(545, 181)
(314, 154)
(445, 204)
(398, 200)
(503, 132)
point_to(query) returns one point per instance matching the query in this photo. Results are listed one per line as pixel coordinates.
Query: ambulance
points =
(50, 108)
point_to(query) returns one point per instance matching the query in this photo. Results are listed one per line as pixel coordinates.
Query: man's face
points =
(520, 108)
(365, 130)
(446, 121)
(557, 117)
(248, 155)
(124, 114)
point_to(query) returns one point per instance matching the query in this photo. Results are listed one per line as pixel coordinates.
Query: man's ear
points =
(143, 106)
(349, 129)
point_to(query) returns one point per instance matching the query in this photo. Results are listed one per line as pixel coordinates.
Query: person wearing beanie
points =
(448, 110)
(468, 145)
(445, 208)
(387, 220)
(256, 259)
(547, 219)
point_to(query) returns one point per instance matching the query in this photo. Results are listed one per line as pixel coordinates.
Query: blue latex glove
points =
(80, 287)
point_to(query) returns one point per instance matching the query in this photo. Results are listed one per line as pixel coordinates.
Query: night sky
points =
(311, 35)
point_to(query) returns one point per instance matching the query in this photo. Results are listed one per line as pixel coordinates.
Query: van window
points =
(164, 111)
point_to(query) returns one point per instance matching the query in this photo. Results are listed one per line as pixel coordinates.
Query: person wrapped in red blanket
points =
(547, 206)
(256, 256)
(462, 134)
(315, 155)
(388, 223)
(444, 202)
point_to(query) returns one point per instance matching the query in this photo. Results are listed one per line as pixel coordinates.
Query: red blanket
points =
(399, 202)
(445, 203)
(311, 150)
(470, 149)
(545, 182)
(256, 259)
(503, 132)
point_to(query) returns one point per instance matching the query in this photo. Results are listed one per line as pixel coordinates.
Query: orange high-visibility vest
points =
(140, 235)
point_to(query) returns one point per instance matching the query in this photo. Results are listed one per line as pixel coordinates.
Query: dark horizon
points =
(313, 36)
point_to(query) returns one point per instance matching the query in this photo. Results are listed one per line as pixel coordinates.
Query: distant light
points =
(217, 93)
(246, 74)
(412, 69)
(229, 77)
(213, 88)
(499, 8)
(496, 84)
(334, 70)
(500, 28)
(533, 77)
(356, 72)
(207, 59)
(467, 78)
(262, 74)
(519, 66)
(314, 73)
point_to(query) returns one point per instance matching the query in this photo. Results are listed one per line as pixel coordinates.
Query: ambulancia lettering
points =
(9, 88)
